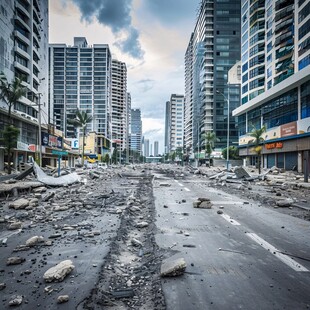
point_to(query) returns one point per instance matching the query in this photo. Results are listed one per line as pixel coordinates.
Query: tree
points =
(106, 158)
(11, 93)
(233, 153)
(80, 121)
(258, 139)
(10, 135)
(209, 139)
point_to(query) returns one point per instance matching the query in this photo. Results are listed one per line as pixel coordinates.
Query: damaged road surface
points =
(153, 237)
(89, 245)
(238, 253)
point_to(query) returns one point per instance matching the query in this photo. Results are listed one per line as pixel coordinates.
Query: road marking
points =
(225, 202)
(176, 181)
(230, 220)
(284, 258)
(181, 184)
(188, 190)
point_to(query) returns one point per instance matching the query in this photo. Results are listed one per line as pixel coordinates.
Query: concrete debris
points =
(21, 203)
(165, 184)
(14, 226)
(173, 268)
(34, 241)
(15, 260)
(62, 299)
(2, 286)
(142, 224)
(241, 172)
(136, 242)
(202, 203)
(124, 293)
(285, 203)
(16, 300)
(58, 272)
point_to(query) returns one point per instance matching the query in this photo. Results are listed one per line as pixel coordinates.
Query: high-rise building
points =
(119, 104)
(146, 147)
(136, 131)
(23, 54)
(175, 122)
(275, 81)
(214, 47)
(80, 77)
(156, 153)
(167, 126)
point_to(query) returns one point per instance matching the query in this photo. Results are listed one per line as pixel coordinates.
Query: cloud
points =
(115, 14)
(170, 12)
(145, 85)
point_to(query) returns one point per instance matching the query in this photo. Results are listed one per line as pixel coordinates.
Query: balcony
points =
(21, 52)
(22, 8)
(21, 67)
(23, 36)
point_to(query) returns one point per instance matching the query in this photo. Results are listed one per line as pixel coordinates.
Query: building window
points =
(304, 29)
(304, 62)
(305, 100)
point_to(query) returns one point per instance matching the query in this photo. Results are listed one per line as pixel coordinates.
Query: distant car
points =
(102, 166)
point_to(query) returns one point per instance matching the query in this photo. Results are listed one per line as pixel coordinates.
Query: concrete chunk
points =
(58, 272)
(172, 268)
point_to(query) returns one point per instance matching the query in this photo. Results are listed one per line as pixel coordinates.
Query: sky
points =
(150, 36)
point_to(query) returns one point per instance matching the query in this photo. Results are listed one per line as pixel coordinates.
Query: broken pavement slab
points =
(59, 272)
(173, 267)
(202, 203)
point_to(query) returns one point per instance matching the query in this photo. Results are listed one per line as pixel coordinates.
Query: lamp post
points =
(228, 123)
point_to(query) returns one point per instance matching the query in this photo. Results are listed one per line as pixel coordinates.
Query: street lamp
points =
(228, 121)
(40, 137)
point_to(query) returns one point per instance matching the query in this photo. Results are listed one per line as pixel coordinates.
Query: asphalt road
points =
(249, 257)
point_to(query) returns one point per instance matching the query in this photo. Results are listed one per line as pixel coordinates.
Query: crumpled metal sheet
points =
(59, 181)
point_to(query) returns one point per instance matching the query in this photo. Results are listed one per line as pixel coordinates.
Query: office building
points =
(80, 77)
(136, 131)
(174, 123)
(120, 109)
(23, 54)
(213, 48)
(275, 82)
(156, 153)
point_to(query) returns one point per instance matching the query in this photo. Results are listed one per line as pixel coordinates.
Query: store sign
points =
(51, 140)
(289, 129)
(275, 145)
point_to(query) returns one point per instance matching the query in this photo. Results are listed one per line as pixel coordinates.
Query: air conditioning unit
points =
(29, 117)
(23, 114)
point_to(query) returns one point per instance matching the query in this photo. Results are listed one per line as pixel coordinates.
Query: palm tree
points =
(11, 93)
(209, 139)
(80, 121)
(258, 139)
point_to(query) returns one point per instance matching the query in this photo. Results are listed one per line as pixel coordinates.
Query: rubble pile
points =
(49, 235)
(130, 277)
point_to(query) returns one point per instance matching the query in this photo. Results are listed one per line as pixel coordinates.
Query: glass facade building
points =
(213, 49)
(275, 80)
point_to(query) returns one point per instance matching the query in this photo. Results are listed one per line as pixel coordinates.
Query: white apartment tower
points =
(80, 77)
(175, 122)
(120, 110)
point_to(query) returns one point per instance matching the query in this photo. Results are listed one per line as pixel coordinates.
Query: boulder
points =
(172, 268)
(21, 203)
(58, 272)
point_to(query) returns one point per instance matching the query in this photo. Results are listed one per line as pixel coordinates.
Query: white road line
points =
(188, 190)
(176, 181)
(225, 202)
(284, 258)
(181, 184)
(230, 220)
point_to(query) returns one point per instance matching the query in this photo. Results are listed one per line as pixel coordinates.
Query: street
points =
(234, 260)
(118, 226)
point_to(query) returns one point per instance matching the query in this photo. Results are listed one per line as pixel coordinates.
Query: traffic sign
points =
(59, 153)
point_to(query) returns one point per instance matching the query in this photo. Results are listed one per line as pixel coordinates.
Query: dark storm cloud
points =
(170, 11)
(116, 15)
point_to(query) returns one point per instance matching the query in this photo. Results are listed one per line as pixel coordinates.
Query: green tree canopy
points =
(257, 134)
(11, 93)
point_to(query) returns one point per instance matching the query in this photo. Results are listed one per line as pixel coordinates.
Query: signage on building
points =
(22, 146)
(59, 153)
(289, 129)
(74, 143)
(275, 145)
(51, 140)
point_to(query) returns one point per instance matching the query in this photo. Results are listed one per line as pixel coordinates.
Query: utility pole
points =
(40, 135)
